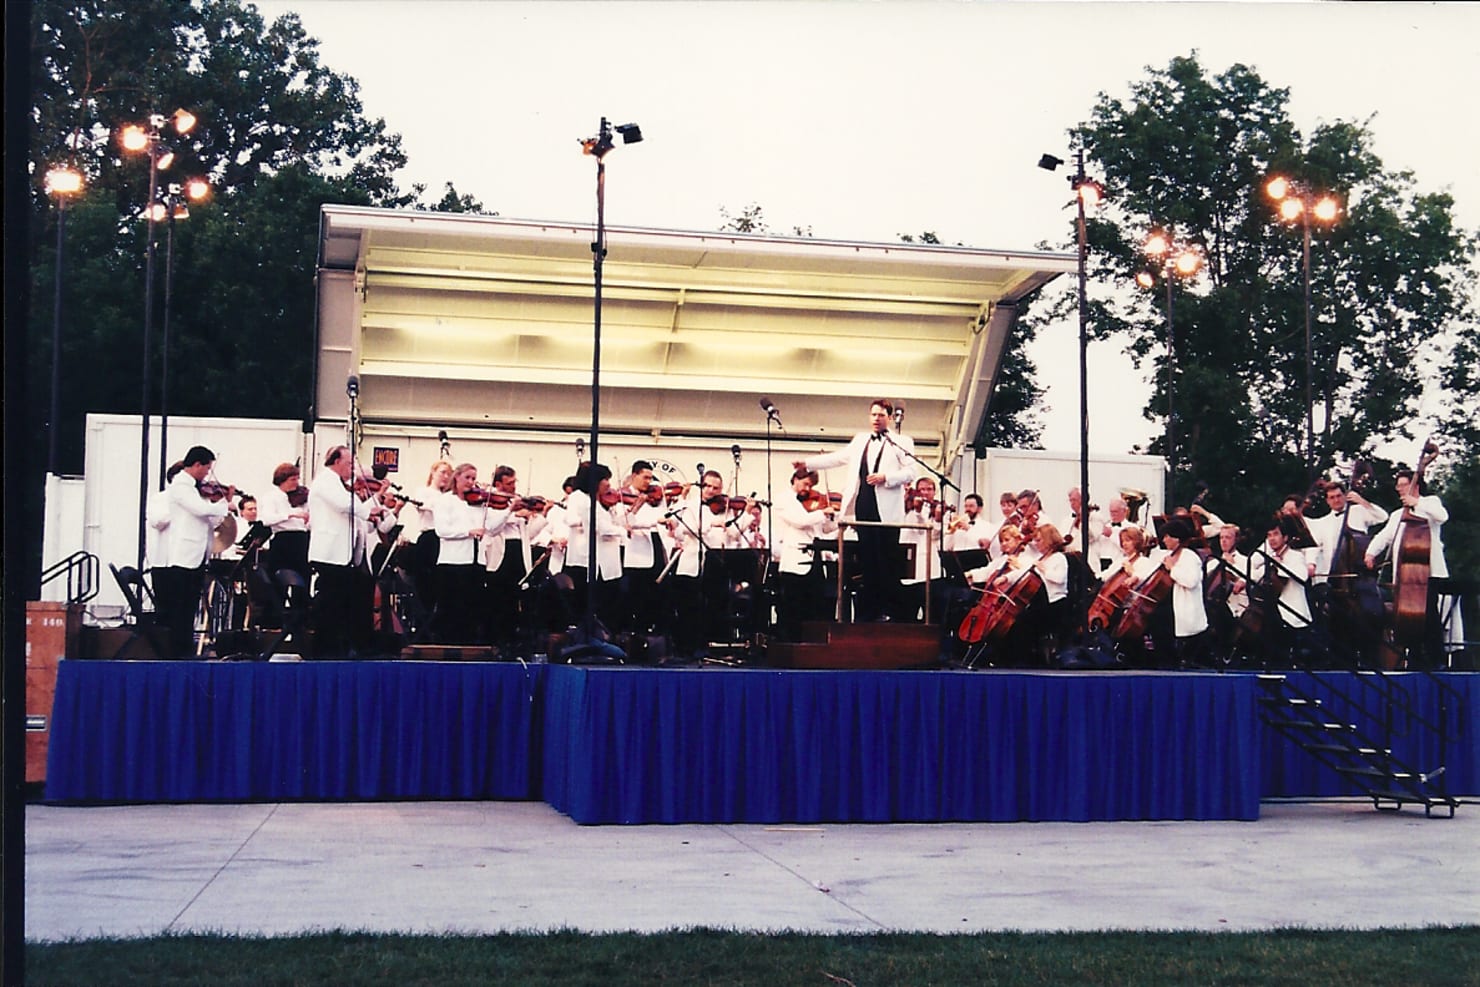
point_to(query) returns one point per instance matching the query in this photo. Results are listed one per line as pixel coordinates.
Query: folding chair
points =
(144, 624)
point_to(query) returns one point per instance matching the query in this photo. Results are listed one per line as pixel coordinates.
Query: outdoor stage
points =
(638, 745)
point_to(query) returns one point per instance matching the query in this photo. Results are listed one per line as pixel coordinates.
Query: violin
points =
(213, 491)
(610, 497)
(718, 504)
(298, 496)
(655, 496)
(481, 497)
(813, 500)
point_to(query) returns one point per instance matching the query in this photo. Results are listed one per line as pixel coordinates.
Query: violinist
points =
(700, 589)
(923, 508)
(800, 520)
(506, 552)
(419, 527)
(644, 560)
(593, 481)
(1080, 533)
(157, 521)
(283, 507)
(1007, 511)
(338, 554)
(460, 521)
(1429, 510)
(193, 518)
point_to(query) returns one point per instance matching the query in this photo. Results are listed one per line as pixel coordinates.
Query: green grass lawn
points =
(1431, 957)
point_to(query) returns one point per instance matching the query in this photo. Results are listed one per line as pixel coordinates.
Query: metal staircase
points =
(1358, 744)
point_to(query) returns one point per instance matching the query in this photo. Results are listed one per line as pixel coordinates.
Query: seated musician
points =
(1189, 613)
(1110, 530)
(1280, 573)
(968, 528)
(1228, 570)
(1427, 509)
(799, 521)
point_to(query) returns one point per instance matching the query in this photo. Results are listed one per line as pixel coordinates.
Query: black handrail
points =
(81, 570)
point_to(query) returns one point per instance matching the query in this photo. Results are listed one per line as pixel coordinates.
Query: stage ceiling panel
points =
(461, 319)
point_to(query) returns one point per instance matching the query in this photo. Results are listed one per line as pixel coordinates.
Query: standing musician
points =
(157, 520)
(594, 481)
(882, 467)
(1360, 514)
(194, 513)
(420, 528)
(283, 507)
(460, 523)
(506, 550)
(338, 554)
(1080, 530)
(968, 528)
(700, 583)
(922, 508)
(644, 560)
(1426, 509)
(800, 520)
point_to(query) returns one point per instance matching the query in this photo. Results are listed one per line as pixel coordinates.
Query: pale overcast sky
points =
(867, 120)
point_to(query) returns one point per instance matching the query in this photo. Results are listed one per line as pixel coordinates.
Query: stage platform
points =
(697, 745)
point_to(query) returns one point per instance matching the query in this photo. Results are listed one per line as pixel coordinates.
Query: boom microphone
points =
(771, 412)
(352, 386)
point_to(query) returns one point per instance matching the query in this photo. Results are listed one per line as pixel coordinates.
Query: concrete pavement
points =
(480, 867)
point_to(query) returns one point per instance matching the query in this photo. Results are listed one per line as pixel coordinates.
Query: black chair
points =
(143, 622)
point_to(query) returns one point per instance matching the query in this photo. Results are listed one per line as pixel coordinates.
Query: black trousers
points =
(878, 557)
(177, 599)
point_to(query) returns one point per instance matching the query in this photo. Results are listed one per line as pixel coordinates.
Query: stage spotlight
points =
(631, 132)
(1049, 163)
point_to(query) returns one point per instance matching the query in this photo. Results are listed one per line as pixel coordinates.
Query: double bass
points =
(1411, 558)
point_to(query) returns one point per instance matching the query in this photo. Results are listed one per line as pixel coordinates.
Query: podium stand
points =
(844, 524)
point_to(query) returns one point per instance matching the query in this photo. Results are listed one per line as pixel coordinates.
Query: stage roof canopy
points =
(456, 319)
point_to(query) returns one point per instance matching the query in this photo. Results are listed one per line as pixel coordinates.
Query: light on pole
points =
(1087, 195)
(62, 183)
(598, 147)
(148, 139)
(1169, 260)
(1300, 203)
(172, 205)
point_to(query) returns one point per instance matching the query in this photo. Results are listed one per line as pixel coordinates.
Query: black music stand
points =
(958, 564)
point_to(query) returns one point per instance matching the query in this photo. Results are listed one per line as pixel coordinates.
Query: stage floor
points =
(638, 745)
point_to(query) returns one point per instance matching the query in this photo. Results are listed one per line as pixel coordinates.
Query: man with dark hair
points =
(881, 466)
(1429, 510)
(193, 518)
(339, 523)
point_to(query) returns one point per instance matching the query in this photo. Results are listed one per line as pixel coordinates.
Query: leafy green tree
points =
(1191, 153)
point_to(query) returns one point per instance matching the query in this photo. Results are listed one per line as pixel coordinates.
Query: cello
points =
(1111, 599)
(993, 616)
(1143, 600)
(1411, 559)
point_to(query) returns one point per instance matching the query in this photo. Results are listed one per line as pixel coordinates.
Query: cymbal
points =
(225, 535)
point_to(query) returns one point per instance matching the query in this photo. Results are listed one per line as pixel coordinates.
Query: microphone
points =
(899, 418)
(442, 436)
(771, 412)
(700, 468)
(673, 512)
(580, 448)
(352, 386)
(735, 451)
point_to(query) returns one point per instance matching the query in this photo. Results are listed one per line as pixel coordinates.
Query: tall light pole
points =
(62, 183)
(149, 140)
(172, 205)
(598, 147)
(1299, 202)
(1087, 195)
(1170, 260)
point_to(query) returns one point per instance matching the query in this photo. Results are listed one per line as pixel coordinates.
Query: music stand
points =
(958, 564)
